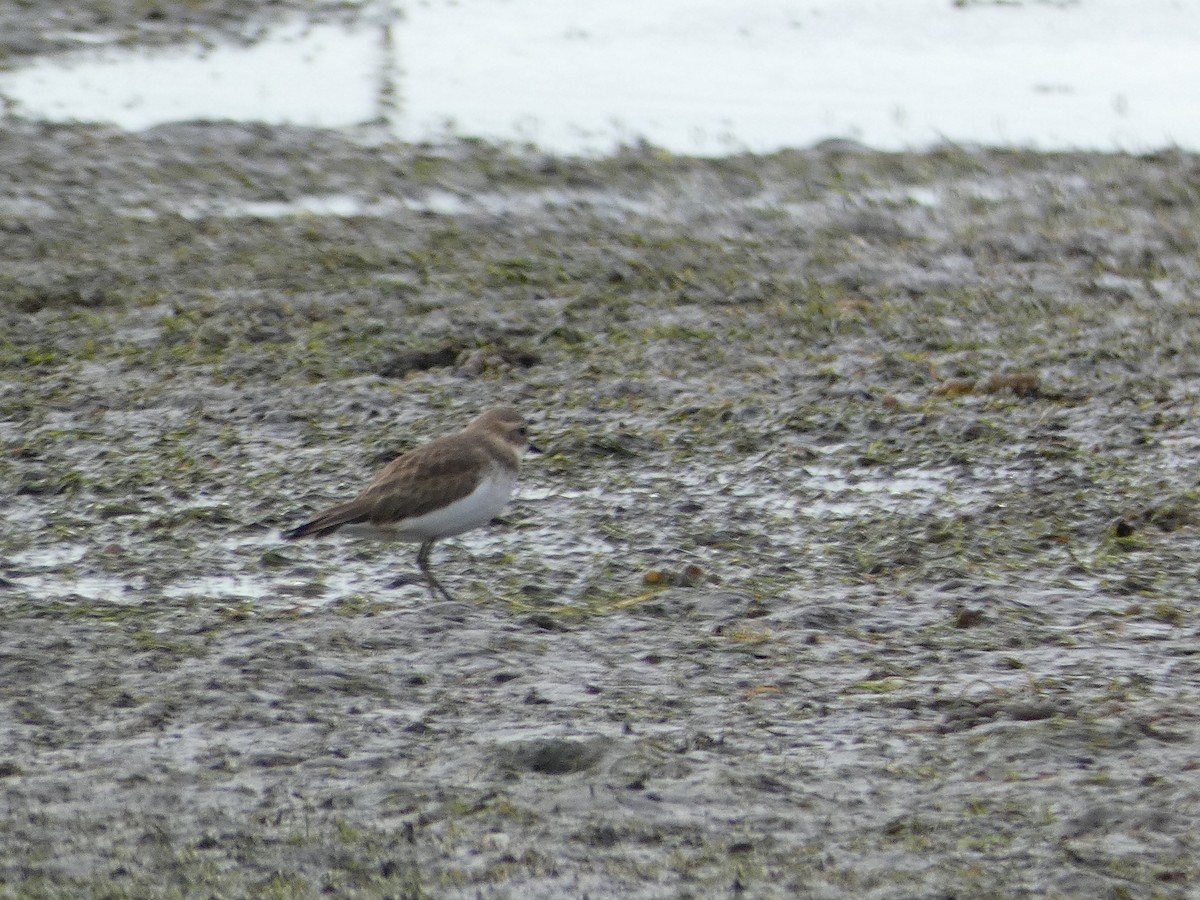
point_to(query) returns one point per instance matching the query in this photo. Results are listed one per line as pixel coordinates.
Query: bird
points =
(443, 488)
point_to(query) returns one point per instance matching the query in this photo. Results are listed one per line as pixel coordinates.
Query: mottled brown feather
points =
(419, 481)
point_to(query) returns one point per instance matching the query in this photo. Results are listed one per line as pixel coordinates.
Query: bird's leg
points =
(434, 585)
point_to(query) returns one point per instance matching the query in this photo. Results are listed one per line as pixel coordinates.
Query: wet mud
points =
(861, 561)
(39, 29)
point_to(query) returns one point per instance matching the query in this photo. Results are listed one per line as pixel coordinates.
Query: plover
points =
(443, 488)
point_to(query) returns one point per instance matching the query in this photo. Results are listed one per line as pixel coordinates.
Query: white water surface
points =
(693, 76)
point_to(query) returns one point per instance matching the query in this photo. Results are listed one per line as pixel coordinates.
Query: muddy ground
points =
(31, 28)
(862, 561)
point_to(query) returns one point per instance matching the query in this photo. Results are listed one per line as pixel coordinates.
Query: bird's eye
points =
(523, 431)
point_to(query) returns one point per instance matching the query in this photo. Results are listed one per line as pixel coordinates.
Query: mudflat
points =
(861, 560)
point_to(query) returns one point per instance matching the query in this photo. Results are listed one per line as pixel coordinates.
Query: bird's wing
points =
(410, 485)
(423, 480)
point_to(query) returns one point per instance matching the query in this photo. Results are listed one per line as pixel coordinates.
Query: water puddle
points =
(433, 202)
(708, 79)
(61, 573)
(323, 76)
(839, 496)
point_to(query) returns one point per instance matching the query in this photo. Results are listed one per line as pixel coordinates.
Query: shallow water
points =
(700, 79)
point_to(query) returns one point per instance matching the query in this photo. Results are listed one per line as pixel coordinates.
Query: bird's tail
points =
(308, 529)
(329, 521)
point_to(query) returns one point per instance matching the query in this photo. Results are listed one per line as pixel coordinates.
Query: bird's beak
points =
(534, 448)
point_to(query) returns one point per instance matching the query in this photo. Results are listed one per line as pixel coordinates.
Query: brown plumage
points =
(448, 486)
